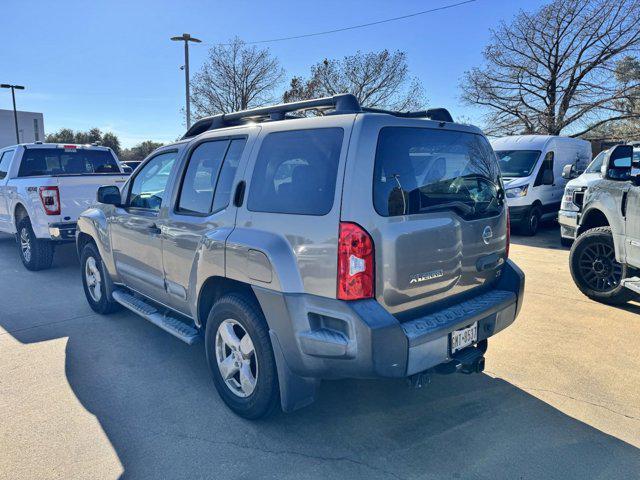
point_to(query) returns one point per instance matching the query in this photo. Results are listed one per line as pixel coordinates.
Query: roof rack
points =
(343, 103)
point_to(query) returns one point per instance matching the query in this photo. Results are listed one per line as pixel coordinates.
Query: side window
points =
(547, 164)
(199, 182)
(5, 163)
(222, 196)
(296, 171)
(148, 187)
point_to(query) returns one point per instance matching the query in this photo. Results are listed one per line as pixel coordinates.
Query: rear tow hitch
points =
(476, 366)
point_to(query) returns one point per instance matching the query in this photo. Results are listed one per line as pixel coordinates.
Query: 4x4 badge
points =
(423, 277)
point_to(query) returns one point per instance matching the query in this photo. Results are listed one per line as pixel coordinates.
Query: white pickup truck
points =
(43, 189)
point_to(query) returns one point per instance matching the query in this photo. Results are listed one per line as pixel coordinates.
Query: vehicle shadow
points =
(548, 236)
(157, 406)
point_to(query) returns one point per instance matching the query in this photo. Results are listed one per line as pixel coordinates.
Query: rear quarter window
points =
(296, 171)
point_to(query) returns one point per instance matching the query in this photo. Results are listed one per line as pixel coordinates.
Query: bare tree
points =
(552, 71)
(377, 79)
(235, 77)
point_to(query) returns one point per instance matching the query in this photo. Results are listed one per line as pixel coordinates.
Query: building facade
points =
(30, 127)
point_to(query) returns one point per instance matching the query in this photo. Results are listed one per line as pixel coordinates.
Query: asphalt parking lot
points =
(86, 396)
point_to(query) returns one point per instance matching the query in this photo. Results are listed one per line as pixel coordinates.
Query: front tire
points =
(531, 224)
(595, 270)
(35, 253)
(241, 358)
(94, 281)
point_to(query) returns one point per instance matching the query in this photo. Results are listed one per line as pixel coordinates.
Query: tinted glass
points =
(60, 161)
(296, 172)
(198, 185)
(517, 163)
(420, 169)
(596, 165)
(5, 160)
(222, 195)
(150, 182)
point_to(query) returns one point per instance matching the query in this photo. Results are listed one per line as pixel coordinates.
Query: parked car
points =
(532, 167)
(359, 244)
(574, 191)
(605, 257)
(43, 189)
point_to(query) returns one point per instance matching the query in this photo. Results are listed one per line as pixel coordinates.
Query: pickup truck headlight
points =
(516, 192)
(567, 200)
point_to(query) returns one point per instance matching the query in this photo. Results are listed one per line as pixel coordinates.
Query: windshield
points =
(66, 161)
(596, 165)
(419, 170)
(517, 163)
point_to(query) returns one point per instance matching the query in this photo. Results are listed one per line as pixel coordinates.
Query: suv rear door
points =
(430, 196)
(201, 214)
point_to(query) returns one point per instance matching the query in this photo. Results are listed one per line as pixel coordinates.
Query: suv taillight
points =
(355, 263)
(50, 197)
(508, 233)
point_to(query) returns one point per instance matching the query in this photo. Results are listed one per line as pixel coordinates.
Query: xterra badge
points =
(423, 277)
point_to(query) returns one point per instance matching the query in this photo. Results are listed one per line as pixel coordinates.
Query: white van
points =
(531, 168)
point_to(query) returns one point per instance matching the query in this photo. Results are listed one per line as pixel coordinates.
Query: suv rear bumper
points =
(316, 337)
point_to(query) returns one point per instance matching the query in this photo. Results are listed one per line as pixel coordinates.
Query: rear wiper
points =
(455, 205)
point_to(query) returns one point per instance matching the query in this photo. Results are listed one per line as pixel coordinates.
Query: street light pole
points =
(15, 112)
(186, 38)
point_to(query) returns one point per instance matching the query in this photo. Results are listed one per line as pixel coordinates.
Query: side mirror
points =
(617, 165)
(109, 195)
(127, 169)
(547, 177)
(569, 172)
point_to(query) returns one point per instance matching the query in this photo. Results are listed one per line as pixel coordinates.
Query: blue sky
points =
(110, 64)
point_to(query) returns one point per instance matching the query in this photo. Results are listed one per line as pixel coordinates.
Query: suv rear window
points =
(61, 161)
(296, 172)
(418, 170)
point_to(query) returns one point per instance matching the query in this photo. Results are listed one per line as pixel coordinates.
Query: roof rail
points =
(344, 103)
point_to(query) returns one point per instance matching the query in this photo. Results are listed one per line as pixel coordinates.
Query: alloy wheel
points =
(93, 279)
(25, 244)
(599, 268)
(236, 358)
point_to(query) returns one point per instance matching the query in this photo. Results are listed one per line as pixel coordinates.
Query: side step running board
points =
(632, 283)
(161, 318)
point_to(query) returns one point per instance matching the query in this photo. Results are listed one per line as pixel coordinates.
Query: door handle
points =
(153, 228)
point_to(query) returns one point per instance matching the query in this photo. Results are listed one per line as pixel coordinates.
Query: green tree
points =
(139, 152)
(110, 140)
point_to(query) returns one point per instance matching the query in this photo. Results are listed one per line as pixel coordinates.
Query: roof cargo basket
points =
(337, 104)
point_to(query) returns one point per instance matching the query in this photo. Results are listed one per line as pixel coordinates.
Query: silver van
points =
(356, 243)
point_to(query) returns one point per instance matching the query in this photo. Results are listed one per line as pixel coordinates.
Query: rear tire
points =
(250, 385)
(595, 270)
(35, 253)
(94, 281)
(530, 225)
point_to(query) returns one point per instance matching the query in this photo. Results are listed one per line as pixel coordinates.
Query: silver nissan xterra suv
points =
(355, 243)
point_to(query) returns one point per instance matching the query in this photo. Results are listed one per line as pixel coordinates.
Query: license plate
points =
(464, 337)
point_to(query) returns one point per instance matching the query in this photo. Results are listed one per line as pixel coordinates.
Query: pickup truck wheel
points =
(595, 270)
(240, 357)
(94, 281)
(35, 253)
